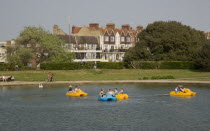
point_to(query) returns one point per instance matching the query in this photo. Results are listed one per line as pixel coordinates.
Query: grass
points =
(108, 74)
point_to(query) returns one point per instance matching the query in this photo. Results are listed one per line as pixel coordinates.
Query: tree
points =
(168, 41)
(18, 55)
(203, 58)
(43, 46)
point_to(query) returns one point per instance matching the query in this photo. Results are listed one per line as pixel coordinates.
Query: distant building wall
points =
(3, 51)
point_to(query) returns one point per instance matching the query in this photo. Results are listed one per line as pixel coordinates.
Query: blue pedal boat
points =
(108, 97)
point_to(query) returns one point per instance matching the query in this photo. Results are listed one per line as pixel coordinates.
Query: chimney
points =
(127, 27)
(110, 25)
(95, 25)
(139, 27)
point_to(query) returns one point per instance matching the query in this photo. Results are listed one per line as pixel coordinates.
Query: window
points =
(128, 39)
(89, 46)
(122, 46)
(94, 46)
(106, 38)
(132, 39)
(112, 38)
(122, 39)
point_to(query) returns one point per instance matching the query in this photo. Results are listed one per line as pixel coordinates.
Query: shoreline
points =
(105, 82)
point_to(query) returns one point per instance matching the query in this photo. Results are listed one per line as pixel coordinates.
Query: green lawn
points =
(106, 74)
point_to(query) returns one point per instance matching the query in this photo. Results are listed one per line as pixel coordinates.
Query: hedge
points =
(81, 65)
(110, 65)
(164, 65)
(11, 67)
(8, 66)
(67, 66)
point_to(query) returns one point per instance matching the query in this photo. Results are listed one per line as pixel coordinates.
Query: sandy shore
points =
(108, 81)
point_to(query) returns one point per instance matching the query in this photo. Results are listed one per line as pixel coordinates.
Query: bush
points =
(164, 65)
(81, 65)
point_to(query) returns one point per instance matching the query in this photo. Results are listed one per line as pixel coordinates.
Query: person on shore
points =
(121, 91)
(115, 91)
(102, 93)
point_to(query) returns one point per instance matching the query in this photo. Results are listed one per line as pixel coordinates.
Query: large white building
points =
(99, 44)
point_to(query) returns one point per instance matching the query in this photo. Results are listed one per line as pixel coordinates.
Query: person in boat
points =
(102, 93)
(115, 91)
(182, 88)
(70, 89)
(111, 92)
(77, 88)
(179, 88)
(121, 91)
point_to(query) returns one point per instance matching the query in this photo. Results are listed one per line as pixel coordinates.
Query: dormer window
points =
(122, 39)
(112, 38)
(106, 38)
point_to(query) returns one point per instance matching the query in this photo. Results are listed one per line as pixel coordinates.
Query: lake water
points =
(149, 108)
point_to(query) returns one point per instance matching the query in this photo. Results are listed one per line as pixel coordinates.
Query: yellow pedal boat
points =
(77, 94)
(121, 96)
(187, 92)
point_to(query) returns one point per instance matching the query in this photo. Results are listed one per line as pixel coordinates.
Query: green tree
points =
(203, 58)
(43, 46)
(168, 41)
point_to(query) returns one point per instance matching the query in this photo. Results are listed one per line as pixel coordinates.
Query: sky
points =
(16, 14)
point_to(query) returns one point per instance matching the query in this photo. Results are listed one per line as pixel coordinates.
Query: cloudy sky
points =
(16, 14)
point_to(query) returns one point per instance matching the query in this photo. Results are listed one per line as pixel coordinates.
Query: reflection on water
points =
(149, 107)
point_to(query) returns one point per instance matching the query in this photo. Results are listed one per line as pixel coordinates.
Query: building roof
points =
(79, 39)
